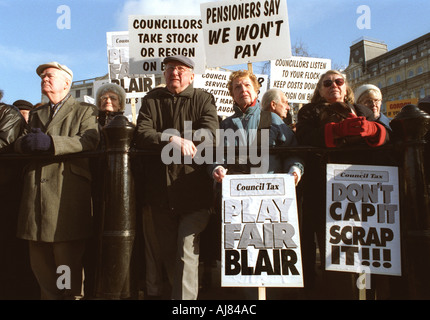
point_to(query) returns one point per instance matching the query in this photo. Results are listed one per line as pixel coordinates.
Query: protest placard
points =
(244, 31)
(297, 77)
(153, 38)
(363, 219)
(135, 86)
(260, 232)
(215, 82)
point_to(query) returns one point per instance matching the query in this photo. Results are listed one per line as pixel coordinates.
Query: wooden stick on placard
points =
(261, 290)
(261, 293)
(250, 66)
(133, 110)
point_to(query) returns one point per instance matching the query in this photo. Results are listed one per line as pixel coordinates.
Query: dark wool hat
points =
(182, 59)
(23, 105)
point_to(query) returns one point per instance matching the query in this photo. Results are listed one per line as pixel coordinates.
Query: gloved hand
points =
(368, 128)
(36, 141)
(351, 126)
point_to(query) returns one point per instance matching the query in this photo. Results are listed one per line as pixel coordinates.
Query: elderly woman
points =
(110, 100)
(330, 120)
(333, 120)
(248, 117)
(370, 96)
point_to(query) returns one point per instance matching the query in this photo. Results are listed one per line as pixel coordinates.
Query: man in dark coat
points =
(179, 194)
(16, 279)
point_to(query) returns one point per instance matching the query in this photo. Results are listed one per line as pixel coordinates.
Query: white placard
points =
(215, 82)
(363, 219)
(153, 38)
(260, 232)
(135, 86)
(297, 77)
(244, 31)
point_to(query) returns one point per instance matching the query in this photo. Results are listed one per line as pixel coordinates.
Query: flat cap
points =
(56, 65)
(182, 59)
(23, 105)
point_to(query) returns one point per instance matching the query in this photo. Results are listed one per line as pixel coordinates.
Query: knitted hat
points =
(364, 88)
(112, 87)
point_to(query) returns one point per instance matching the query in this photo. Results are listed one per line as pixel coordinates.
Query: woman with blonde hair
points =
(332, 119)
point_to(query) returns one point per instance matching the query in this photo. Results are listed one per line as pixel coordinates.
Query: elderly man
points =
(12, 266)
(55, 214)
(274, 100)
(179, 195)
(11, 125)
(24, 107)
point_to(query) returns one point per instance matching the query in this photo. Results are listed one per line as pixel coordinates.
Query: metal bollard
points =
(119, 222)
(411, 124)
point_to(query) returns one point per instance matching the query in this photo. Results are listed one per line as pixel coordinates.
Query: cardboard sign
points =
(297, 77)
(260, 232)
(215, 82)
(153, 38)
(135, 86)
(243, 31)
(363, 219)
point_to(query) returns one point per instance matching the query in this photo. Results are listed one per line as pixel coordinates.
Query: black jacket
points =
(175, 186)
(12, 126)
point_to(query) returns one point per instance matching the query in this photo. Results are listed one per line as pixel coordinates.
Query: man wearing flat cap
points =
(55, 213)
(179, 194)
(24, 108)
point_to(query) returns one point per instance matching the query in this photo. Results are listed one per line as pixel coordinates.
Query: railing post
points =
(119, 221)
(411, 124)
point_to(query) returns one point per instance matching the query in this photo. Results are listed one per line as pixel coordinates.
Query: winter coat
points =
(56, 202)
(280, 134)
(12, 125)
(175, 185)
(312, 117)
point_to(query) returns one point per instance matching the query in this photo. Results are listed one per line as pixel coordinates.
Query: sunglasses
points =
(339, 82)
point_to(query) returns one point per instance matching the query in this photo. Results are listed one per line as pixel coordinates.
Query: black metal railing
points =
(111, 275)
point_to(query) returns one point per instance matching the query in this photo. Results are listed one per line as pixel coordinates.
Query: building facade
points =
(402, 73)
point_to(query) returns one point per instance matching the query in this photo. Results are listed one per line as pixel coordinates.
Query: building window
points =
(422, 93)
(398, 78)
(389, 81)
(419, 70)
(77, 93)
(90, 92)
(410, 74)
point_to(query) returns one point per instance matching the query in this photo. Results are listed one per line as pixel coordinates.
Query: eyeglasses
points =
(339, 82)
(112, 98)
(371, 102)
(180, 69)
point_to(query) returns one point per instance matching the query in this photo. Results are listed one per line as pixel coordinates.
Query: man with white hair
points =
(56, 212)
(274, 100)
